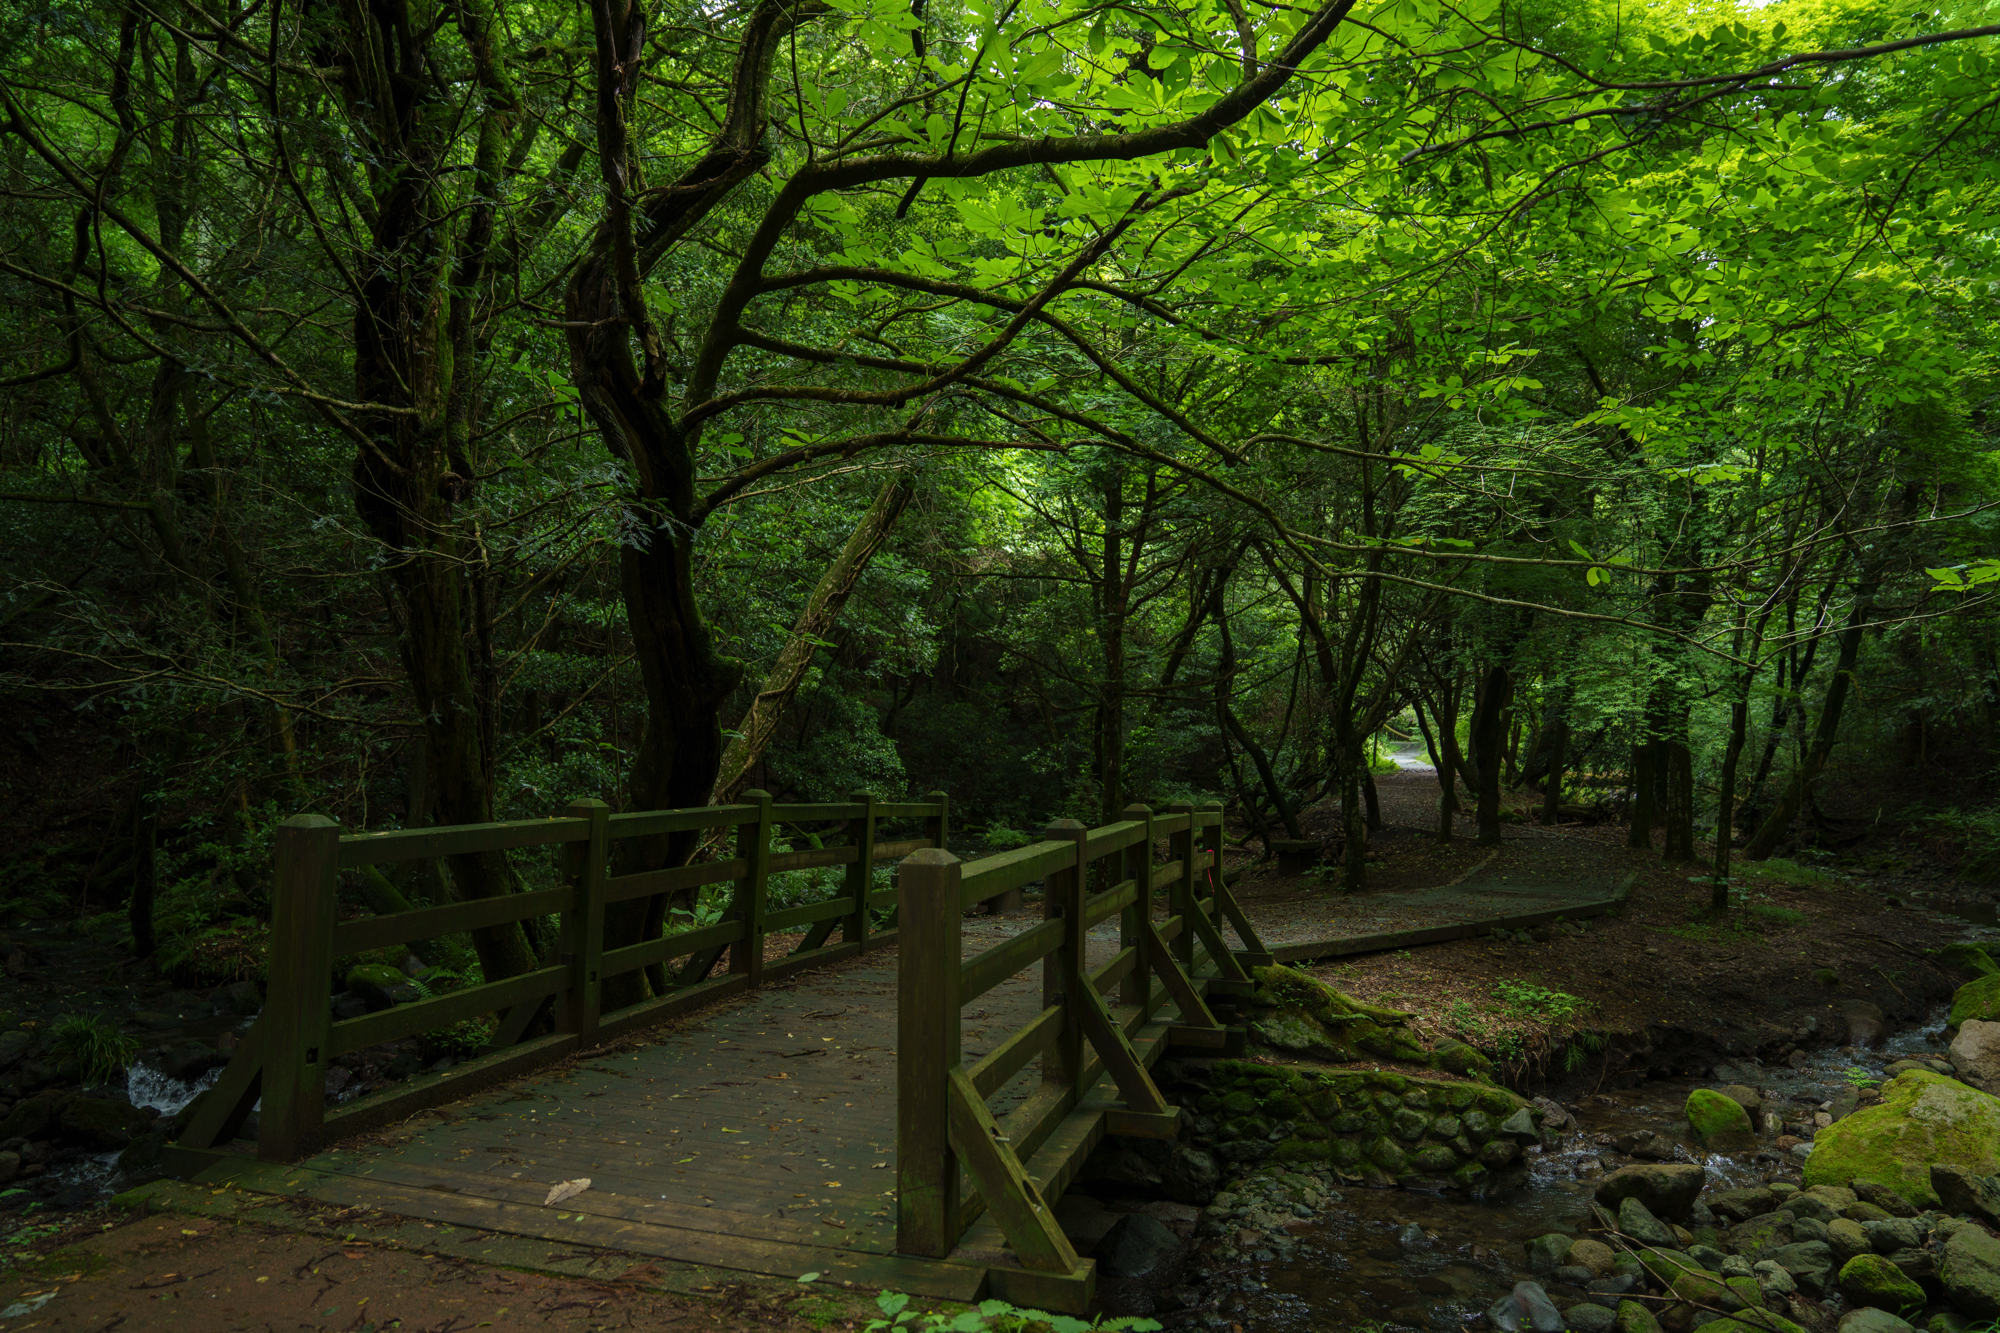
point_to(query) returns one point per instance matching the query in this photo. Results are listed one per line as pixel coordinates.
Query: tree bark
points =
(1677, 840)
(1552, 784)
(821, 611)
(1489, 711)
(1779, 822)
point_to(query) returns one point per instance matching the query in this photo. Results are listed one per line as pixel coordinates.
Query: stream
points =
(1358, 1266)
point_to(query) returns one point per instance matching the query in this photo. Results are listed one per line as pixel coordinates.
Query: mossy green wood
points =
(1025, 1219)
(586, 866)
(753, 847)
(927, 1052)
(296, 1010)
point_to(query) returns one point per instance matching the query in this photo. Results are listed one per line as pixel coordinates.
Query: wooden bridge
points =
(893, 1118)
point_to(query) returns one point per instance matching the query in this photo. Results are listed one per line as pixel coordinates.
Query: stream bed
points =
(1360, 1264)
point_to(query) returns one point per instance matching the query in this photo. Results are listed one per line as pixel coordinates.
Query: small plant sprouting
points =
(990, 1317)
(1522, 999)
(1858, 1077)
(98, 1050)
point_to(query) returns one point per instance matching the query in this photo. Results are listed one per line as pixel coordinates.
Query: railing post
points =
(296, 1012)
(581, 946)
(1211, 850)
(927, 1026)
(1137, 987)
(1180, 897)
(1062, 896)
(860, 875)
(938, 826)
(753, 844)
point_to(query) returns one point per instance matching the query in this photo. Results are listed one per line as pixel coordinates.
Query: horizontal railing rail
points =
(554, 1009)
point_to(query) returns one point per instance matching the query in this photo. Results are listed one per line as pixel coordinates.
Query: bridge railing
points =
(285, 1057)
(957, 1159)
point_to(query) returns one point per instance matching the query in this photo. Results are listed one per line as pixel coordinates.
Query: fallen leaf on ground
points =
(567, 1189)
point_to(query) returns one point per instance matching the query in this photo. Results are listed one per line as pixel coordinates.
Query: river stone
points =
(1811, 1207)
(1526, 1309)
(1718, 1120)
(1667, 1189)
(1590, 1317)
(1975, 999)
(1967, 959)
(1810, 1262)
(1740, 1205)
(1435, 1160)
(1808, 1228)
(1386, 1154)
(1190, 1175)
(1763, 1321)
(1637, 1221)
(1595, 1255)
(1706, 1290)
(1892, 1234)
(1975, 1053)
(1869, 1279)
(1410, 1125)
(1137, 1246)
(1848, 1239)
(102, 1122)
(1881, 1196)
(1633, 1317)
(1546, 1252)
(1873, 1321)
(1867, 1025)
(1521, 1127)
(1970, 1273)
(1500, 1153)
(1773, 1279)
(1765, 1232)
(1965, 1194)
(1478, 1126)
(1947, 1321)
(1863, 1211)
(1922, 1120)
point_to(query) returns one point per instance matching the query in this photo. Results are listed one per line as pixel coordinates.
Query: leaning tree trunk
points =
(821, 610)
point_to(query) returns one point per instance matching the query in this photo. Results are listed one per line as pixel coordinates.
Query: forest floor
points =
(1815, 948)
(173, 1273)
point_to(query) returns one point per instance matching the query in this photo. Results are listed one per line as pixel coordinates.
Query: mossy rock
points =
(1435, 1160)
(1635, 1318)
(1923, 1120)
(1311, 1018)
(1763, 1321)
(1718, 1120)
(1304, 1150)
(375, 974)
(1976, 999)
(1968, 960)
(1870, 1279)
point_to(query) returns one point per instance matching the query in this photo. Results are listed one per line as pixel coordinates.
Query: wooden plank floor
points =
(757, 1135)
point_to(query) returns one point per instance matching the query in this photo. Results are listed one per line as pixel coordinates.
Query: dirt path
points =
(175, 1273)
(1667, 984)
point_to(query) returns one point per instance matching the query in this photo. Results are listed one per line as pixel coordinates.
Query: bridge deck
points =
(757, 1135)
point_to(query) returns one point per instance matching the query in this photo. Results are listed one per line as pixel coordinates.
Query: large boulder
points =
(1969, 1272)
(1975, 1053)
(1668, 1189)
(1867, 1025)
(1922, 1120)
(1718, 1121)
(1874, 1321)
(1976, 999)
(1967, 960)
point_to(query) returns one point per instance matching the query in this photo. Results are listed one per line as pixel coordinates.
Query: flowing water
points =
(1360, 1264)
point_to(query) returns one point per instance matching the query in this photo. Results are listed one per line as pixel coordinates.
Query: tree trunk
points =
(1552, 784)
(1644, 784)
(1444, 758)
(1109, 715)
(822, 609)
(1779, 822)
(1489, 711)
(1677, 838)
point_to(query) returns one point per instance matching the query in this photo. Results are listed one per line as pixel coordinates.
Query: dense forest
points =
(431, 411)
